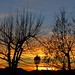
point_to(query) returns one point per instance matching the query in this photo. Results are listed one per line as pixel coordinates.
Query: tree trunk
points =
(13, 69)
(69, 66)
(9, 58)
(15, 61)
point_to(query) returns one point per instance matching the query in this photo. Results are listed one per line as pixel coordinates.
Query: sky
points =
(47, 7)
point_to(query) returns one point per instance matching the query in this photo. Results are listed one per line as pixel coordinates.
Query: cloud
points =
(2, 15)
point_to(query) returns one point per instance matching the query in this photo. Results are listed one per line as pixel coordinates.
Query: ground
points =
(42, 72)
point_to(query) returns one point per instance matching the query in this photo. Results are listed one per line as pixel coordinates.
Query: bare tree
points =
(15, 32)
(63, 35)
(52, 55)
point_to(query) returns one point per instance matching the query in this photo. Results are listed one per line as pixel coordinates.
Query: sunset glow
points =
(37, 36)
(49, 68)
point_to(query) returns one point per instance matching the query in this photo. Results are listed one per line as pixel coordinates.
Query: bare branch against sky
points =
(48, 7)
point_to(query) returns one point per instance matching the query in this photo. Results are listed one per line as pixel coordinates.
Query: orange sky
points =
(28, 57)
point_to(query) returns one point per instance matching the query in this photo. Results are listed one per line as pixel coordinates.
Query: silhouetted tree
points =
(63, 35)
(15, 32)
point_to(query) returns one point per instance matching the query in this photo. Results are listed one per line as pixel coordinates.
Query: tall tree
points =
(15, 32)
(63, 35)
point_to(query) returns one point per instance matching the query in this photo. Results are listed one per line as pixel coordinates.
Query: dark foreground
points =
(43, 72)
